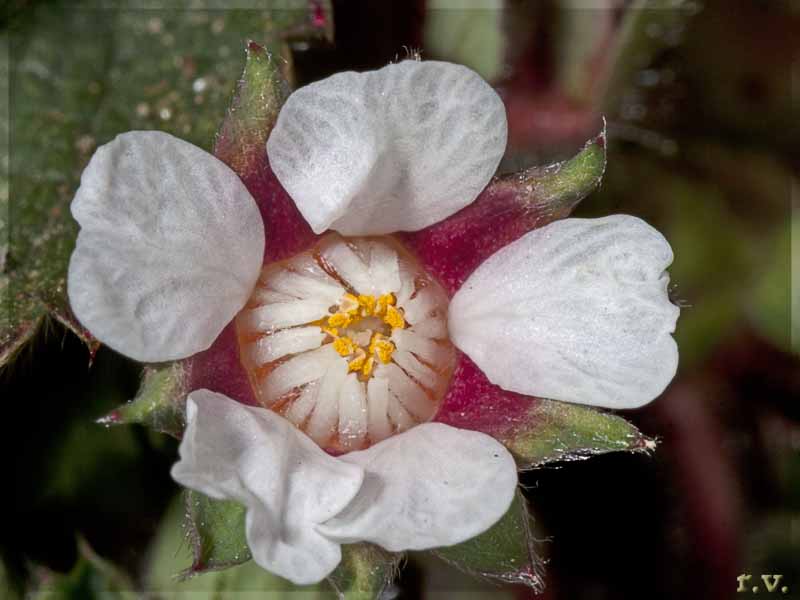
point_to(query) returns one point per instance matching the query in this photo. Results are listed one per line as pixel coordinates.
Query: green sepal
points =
(504, 553)
(260, 93)
(560, 431)
(365, 572)
(159, 404)
(168, 553)
(552, 191)
(216, 531)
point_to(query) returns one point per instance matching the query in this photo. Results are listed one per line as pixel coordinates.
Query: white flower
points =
(171, 250)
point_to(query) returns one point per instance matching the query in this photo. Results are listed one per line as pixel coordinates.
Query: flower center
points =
(348, 341)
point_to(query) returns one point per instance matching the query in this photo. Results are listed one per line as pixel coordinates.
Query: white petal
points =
(576, 311)
(288, 484)
(390, 150)
(170, 248)
(428, 487)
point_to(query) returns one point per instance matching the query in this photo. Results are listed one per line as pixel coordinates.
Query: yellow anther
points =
(339, 320)
(351, 310)
(348, 304)
(369, 364)
(331, 331)
(358, 362)
(367, 303)
(384, 350)
(373, 343)
(384, 301)
(394, 318)
(344, 346)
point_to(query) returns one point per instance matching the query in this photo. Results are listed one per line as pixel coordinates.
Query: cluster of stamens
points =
(362, 347)
(348, 341)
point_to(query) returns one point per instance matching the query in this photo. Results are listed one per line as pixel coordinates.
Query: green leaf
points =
(91, 577)
(159, 404)
(559, 431)
(364, 572)
(9, 584)
(470, 36)
(80, 78)
(505, 552)
(774, 306)
(216, 531)
(648, 27)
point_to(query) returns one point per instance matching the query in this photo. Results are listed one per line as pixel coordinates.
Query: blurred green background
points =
(704, 143)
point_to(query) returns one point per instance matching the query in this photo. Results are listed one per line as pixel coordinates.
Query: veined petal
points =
(575, 311)
(170, 247)
(288, 484)
(428, 487)
(390, 150)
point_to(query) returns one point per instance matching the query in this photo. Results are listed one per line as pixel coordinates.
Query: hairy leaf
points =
(82, 76)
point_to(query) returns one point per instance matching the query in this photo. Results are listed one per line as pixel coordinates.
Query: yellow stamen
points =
(339, 320)
(348, 304)
(344, 346)
(384, 301)
(331, 331)
(369, 364)
(376, 337)
(367, 303)
(394, 318)
(352, 309)
(358, 362)
(384, 350)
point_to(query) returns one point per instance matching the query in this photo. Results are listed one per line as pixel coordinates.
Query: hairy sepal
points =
(159, 403)
(505, 553)
(536, 431)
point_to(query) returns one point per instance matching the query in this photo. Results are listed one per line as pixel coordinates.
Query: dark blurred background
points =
(704, 143)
